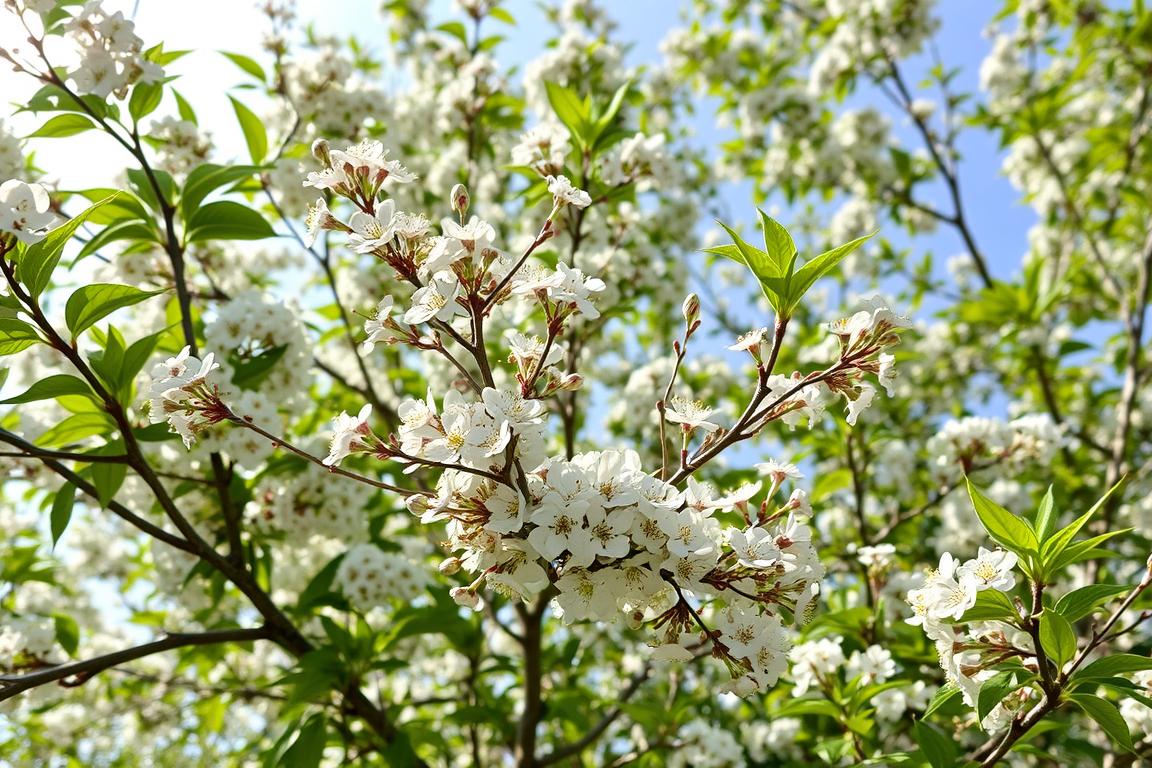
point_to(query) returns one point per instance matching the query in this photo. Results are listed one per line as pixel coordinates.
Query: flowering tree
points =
(566, 524)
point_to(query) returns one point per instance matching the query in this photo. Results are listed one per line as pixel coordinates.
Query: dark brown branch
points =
(79, 672)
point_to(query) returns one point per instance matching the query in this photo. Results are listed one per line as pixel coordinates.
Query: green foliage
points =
(226, 220)
(92, 303)
(775, 267)
(39, 260)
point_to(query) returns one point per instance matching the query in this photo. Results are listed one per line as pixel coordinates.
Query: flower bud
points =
(460, 199)
(466, 598)
(571, 382)
(322, 152)
(691, 309)
(450, 566)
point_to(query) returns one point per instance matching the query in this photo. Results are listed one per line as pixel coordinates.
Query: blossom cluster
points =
(606, 539)
(181, 395)
(968, 650)
(111, 53)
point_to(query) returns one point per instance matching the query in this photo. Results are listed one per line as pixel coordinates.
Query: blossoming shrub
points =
(421, 436)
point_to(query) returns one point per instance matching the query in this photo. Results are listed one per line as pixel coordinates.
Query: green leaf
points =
(500, 14)
(75, 428)
(991, 605)
(251, 372)
(92, 303)
(819, 266)
(107, 477)
(247, 64)
(1003, 526)
(16, 336)
(1080, 602)
(993, 690)
(226, 220)
(184, 108)
(255, 134)
(1117, 664)
(205, 179)
(946, 693)
(308, 749)
(67, 633)
(1107, 716)
(569, 108)
(137, 355)
(51, 387)
(777, 242)
(62, 126)
(61, 511)
(1089, 549)
(938, 749)
(138, 230)
(1057, 637)
(605, 120)
(142, 184)
(39, 261)
(321, 585)
(763, 267)
(145, 98)
(1045, 517)
(122, 206)
(1054, 547)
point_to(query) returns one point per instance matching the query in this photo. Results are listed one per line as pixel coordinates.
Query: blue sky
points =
(999, 218)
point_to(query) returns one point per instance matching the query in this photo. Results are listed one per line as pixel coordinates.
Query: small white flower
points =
(370, 232)
(692, 414)
(563, 193)
(377, 326)
(346, 430)
(992, 569)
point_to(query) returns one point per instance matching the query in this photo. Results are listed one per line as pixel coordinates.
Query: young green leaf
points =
(61, 511)
(820, 266)
(1117, 664)
(1107, 715)
(1045, 517)
(205, 179)
(777, 242)
(92, 303)
(255, 134)
(1003, 526)
(1057, 638)
(994, 689)
(38, 262)
(247, 64)
(226, 220)
(308, 749)
(1080, 602)
(945, 694)
(570, 109)
(991, 605)
(67, 632)
(16, 336)
(50, 387)
(1057, 543)
(939, 750)
(145, 98)
(62, 126)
